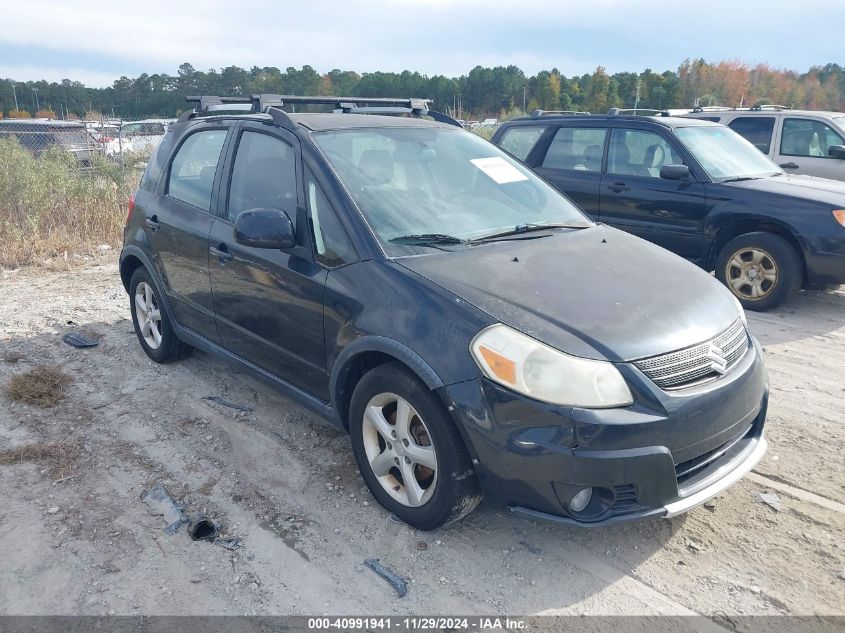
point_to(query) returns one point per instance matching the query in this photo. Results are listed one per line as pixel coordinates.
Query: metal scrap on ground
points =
(79, 340)
(226, 403)
(161, 503)
(398, 583)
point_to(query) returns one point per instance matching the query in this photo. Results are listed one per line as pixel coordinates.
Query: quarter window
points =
(581, 149)
(639, 153)
(193, 168)
(519, 141)
(263, 177)
(805, 137)
(330, 242)
(757, 130)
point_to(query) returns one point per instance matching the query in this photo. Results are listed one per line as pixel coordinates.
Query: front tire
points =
(408, 450)
(152, 325)
(762, 270)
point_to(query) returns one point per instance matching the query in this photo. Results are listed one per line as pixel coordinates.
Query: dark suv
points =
(698, 189)
(468, 325)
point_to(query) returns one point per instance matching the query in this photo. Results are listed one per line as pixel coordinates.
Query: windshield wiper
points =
(741, 178)
(425, 239)
(528, 228)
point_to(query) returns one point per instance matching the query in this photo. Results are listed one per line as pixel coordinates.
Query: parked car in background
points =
(698, 189)
(40, 135)
(138, 136)
(806, 142)
(468, 325)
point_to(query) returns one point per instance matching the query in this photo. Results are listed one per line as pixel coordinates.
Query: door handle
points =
(153, 223)
(221, 253)
(616, 187)
(790, 165)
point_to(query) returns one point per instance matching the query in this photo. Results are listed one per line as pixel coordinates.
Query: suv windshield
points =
(440, 182)
(725, 155)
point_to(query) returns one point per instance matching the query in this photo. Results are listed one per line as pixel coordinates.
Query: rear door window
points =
(519, 141)
(755, 129)
(806, 137)
(193, 168)
(576, 148)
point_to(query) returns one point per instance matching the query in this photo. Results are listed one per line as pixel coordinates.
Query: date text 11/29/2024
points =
(418, 623)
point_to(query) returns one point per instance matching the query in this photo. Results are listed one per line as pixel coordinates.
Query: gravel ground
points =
(75, 537)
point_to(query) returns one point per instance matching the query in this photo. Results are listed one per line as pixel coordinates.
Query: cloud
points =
(23, 72)
(432, 36)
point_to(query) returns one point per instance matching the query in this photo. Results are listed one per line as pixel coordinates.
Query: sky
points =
(98, 42)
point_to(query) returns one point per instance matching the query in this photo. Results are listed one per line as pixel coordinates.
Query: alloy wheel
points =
(148, 315)
(399, 449)
(752, 273)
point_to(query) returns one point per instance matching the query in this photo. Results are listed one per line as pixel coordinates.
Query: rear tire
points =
(409, 451)
(762, 270)
(152, 325)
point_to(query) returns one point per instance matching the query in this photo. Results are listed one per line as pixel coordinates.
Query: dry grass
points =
(61, 459)
(50, 208)
(11, 357)
(42, 386)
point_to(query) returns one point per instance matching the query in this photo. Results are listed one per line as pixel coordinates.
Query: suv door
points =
(571, 159)
(636, 199)
(803, 148)
(177, 224)
(269, 303)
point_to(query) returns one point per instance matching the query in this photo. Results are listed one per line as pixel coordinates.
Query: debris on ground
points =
(398, 583)
(79, 340)
(696, 547)
(161, 503)
(229, 543)
(771, 500)
(201, 528)
(230, 405)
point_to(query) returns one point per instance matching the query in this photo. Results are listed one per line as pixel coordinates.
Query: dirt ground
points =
(75, 538)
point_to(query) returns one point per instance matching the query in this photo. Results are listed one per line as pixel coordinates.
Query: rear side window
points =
(193, 168)
(264, 176)
(805, 137)
(519, 141)
(576, 148)
(757, 130)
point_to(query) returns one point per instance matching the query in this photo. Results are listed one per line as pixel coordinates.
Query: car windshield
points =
(441, 182)
(724, 154)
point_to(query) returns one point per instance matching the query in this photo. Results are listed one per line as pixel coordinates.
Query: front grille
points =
(699, 363)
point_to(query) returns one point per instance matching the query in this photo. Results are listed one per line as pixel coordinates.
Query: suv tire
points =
(401, 430)
(761, 270)
(152, 324)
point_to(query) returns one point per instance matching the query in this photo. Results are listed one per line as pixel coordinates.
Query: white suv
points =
(800, 141)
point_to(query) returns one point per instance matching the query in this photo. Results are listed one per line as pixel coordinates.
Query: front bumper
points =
(667, 453)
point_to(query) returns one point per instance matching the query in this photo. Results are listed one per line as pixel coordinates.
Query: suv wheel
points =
(761, 269)
(408, 450)
(152, 325)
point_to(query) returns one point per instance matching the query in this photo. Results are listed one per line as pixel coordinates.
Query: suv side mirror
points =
(836, 151)
(674, 172)
(265, 228)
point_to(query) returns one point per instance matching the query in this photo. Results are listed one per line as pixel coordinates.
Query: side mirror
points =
(265, 228)
(836, 151)
(674, 172)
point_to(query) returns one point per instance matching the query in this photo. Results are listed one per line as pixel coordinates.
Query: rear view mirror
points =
(836, 151)
(265, 228)
(674, 172)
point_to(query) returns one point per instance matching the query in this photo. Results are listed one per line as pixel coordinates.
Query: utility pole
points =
(14, 94)
(524, 88)
(637, 100)
(37, 108)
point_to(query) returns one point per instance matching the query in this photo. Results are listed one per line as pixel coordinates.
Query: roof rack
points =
(637, 112)
(272, 104)
(711, 108)
(767, 106)
(536, 114)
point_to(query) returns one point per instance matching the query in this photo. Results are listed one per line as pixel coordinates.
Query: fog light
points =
(581, 499)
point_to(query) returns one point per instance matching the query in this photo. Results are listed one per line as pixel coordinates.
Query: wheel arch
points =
(741, 226)
(364, 354)
(131, 259)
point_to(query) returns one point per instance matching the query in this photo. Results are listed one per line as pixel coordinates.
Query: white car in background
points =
(138, 136)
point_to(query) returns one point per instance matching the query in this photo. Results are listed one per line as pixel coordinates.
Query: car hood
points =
(595, 293)
(806, 187)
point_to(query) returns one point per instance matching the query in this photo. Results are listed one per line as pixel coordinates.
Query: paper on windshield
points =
(499, 169)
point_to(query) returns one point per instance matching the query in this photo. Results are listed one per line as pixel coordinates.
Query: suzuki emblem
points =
(719, 364)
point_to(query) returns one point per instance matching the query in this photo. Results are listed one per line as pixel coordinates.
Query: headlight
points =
(523, 364)
(741, 311)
